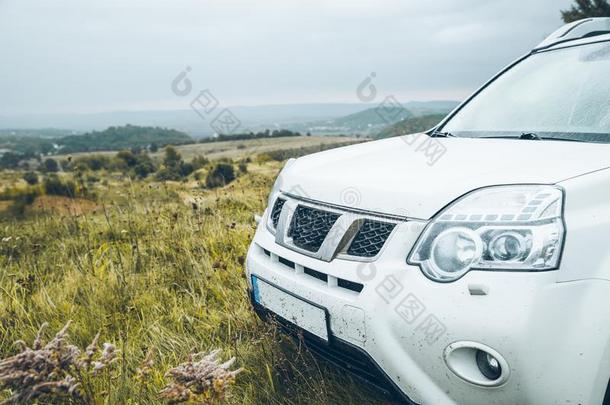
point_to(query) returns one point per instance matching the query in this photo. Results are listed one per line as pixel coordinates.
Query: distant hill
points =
(252, 118)
(113, 138)
(373, 117)
(366, 122)
(411, 125)
(421, 108)
(126, 137)
(295, 117)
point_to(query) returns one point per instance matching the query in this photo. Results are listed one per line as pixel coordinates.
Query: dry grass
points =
(63, 206)
(238, 149)
(159, 278)
(4, 205)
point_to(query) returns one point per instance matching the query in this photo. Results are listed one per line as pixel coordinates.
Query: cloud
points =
(70, 55)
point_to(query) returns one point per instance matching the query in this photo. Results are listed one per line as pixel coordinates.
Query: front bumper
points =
(342, 354)
(554, 336)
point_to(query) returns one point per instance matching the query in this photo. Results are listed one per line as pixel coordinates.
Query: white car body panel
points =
(393, 177)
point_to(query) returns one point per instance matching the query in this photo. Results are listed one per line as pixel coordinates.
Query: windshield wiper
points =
(532, 136)
(440, 134)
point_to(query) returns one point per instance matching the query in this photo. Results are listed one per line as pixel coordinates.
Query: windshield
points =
(561, 93)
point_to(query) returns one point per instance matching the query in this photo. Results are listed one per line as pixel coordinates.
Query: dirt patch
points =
(64, 205)
(4, 205)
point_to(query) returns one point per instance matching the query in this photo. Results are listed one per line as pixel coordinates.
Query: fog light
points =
(488, 365)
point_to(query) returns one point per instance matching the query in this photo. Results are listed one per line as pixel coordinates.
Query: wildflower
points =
(147, 364)
(205, 380)
(54, 369)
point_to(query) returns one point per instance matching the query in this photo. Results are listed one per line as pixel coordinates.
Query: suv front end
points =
(481, 279)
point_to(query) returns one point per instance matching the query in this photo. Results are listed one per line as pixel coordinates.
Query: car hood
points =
(416, 176)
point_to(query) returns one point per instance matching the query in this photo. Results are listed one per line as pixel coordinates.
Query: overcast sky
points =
(106, 55)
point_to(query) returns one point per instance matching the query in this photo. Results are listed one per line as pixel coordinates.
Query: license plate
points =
(295, 310)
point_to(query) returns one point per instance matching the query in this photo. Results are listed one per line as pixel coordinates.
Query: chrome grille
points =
(325, 232)
(310, 226)
(370, 238)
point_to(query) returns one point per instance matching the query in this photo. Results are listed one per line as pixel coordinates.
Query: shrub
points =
(21, 199)
(199, 161)
(144, 168)
(94, 162)
(185, 169)
(54, 186)
(31, 178)
(10, 160)
(166, 174)
(174, 168)
(172, 157)
(127, 157)
(50, 166)
(220, 175)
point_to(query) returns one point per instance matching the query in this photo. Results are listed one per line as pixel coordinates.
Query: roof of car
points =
(583, 31)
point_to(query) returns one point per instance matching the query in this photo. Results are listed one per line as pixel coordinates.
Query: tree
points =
(221, 175)
(127, 157)
(31, 178)
(144, 165)
(174, 167)
(50, 166)
(172, 158)
(10, 160)
(586, 9)
(54, 186)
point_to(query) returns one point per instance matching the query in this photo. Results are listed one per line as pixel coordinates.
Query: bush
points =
(166, 174)
(21, 199)
(93, 162)
(50, 166)
(53, 185)
(199, 161)
(31, 178)
(127, 157)
(185, 169)
(174, 168)
(10, 160)
(144, 168)
(172, 157)
(220, 175)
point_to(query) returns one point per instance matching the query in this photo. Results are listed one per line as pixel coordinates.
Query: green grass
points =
(150, 271)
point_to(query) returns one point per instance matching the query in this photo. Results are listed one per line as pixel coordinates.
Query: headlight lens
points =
(495, 228)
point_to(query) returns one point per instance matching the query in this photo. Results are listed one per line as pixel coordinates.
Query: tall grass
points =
(159, 277)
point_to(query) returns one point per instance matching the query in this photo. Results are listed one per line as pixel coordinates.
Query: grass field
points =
(154, 272)
(239, 149)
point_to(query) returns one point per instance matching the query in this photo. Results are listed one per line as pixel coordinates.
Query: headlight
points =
(494, 228)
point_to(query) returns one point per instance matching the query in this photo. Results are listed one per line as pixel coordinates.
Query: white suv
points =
(470, 264)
